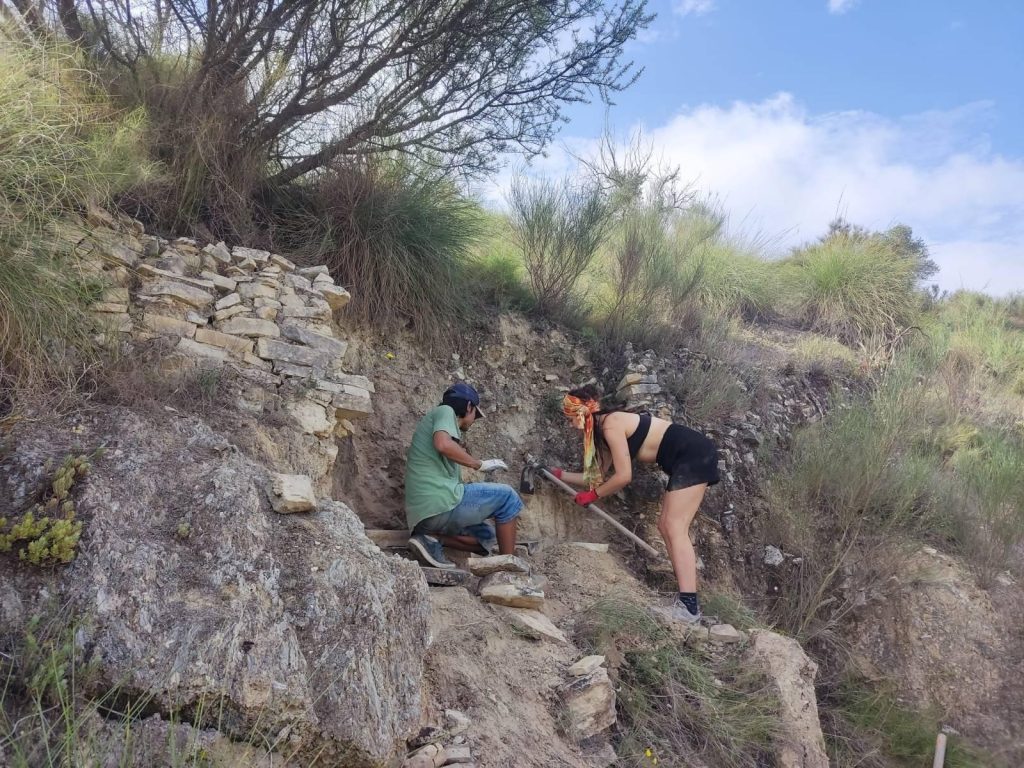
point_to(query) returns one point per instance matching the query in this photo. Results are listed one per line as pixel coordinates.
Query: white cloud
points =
(783, 174)
(788, 173)
(841, 6)
(695, 7)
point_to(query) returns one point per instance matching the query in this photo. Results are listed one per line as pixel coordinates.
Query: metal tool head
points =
(528, 479)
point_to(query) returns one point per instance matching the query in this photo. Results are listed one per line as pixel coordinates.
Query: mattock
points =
(528, 485)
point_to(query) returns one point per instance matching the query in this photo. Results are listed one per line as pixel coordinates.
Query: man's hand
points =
(491, 465)
(583, 498)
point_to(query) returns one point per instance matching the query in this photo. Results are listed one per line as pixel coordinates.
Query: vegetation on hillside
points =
(322, 153)
(676, 700)
(63, 147)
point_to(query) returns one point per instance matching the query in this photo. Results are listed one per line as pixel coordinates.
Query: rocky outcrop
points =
(589, 699)
(800, 743)
(196, 599)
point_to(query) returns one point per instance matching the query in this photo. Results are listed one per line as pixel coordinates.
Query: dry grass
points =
(64, 147)
(677, 702)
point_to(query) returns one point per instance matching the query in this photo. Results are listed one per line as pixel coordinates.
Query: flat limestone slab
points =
(292, 493)
(725, 633)
(533, 623)
(586, 665)
(510, 589)
(484, 566)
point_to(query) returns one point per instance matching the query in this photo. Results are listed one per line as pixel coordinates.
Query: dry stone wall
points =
(250, 310)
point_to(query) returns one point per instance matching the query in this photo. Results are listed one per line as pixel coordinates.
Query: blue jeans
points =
(480, 502)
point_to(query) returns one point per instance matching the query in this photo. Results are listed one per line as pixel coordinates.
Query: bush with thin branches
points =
(674, 701)
(559, 227)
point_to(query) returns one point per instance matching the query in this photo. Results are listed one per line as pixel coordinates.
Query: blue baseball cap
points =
(466, 392)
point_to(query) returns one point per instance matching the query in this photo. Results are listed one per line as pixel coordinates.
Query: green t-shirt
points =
(433, 483)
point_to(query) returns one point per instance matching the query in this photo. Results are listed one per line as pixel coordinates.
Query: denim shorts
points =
(480, 502)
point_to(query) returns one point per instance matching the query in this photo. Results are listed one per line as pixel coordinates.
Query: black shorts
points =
(687, 457)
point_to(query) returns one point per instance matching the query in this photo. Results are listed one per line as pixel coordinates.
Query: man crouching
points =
(440, 509)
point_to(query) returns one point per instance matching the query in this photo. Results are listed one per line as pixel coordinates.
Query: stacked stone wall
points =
(216, 306)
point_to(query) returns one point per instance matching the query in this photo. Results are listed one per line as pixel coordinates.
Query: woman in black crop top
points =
(613, 440)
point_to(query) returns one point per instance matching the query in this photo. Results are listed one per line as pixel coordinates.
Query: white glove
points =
(490, 465)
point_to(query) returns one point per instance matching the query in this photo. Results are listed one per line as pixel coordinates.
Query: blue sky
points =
(788, 111)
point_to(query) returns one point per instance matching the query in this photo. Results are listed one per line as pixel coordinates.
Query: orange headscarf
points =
(581, 413)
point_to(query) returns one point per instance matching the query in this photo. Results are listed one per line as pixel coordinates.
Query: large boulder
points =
(195, 597)
(800, 743)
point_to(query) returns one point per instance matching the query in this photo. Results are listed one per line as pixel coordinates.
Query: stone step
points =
(483, 566)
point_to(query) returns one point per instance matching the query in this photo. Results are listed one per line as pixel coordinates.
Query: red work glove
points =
(556, 471)
(586, 497)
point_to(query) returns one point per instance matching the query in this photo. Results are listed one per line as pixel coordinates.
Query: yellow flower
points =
(647, 752)
(389, 356)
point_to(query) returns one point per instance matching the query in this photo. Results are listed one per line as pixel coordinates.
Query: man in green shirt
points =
(440, 509)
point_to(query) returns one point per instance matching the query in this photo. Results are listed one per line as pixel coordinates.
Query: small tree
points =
(452, 83)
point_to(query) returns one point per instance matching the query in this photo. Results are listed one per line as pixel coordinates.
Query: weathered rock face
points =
(195, 596)
(590, 703)
(800, 741)
(938, 629)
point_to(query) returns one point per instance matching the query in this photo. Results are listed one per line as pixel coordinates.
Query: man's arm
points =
(450, 448)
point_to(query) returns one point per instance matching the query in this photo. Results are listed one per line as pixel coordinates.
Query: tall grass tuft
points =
(642, 272)
(63, 147)
(990, 523)
(987, 337)
(852, 287)
(400, 237)
(866, 726)
(497, 272)
(211, 175)
(726, 277)
(677, 702)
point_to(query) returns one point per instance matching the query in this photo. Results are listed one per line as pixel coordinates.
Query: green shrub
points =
(676, 701)
(709, 390)
(635, 296)
(986, 336)
(990, 521)
(399, 237)
(64, 147)
(497, 273)
(719, 274)
(852, 494)
(196, 128)
(851, 287)
(559, 227)
(866, 726)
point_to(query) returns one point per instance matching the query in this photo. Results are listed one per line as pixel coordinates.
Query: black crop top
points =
(636, 440)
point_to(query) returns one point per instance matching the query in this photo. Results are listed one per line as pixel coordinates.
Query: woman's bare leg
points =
(678, 508)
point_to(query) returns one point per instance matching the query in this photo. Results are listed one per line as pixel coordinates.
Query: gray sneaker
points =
(681, 613)
(429, 551)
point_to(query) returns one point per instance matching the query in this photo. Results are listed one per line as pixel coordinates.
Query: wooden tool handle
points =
(604, 515)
